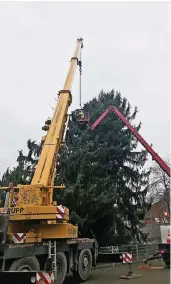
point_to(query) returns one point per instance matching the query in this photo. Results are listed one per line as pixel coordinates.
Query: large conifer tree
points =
(105, 176)
(106, 183)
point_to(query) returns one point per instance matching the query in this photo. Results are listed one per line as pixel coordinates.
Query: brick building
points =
(158, 215)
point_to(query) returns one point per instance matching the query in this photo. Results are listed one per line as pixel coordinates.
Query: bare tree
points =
(159, 188)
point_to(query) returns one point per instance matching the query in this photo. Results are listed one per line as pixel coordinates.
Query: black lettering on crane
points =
(15, 210)
(21, 210)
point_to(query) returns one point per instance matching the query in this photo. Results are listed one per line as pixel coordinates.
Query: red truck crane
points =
(154, 155)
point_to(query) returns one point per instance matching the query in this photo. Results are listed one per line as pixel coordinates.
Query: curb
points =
(103, 266)
(108, 265)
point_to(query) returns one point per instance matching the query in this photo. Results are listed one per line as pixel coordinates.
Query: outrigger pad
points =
(133, 276)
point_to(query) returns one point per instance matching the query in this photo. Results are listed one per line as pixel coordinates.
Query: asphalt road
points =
(111, 276)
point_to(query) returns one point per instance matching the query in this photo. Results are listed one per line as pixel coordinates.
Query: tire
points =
(61, 263)
(25, 264)
(96, 249)
(84, 265)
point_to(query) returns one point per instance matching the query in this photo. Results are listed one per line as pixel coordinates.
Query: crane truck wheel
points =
(84, 265)
(61, 263)
(25, 264)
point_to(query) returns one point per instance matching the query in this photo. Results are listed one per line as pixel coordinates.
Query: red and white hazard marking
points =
(47, 277)
(19, 238)
(127, 257)
(60, 211)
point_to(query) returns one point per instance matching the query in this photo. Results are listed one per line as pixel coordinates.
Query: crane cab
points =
(82, 118)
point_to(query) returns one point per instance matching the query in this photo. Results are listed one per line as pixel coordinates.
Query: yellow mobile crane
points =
(33, 227)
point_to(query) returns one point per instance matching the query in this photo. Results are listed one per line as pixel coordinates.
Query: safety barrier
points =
(139, 252)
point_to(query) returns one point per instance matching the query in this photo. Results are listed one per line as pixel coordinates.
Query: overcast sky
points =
(126, 47)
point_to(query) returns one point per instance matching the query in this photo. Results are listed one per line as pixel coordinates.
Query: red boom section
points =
(154, 155)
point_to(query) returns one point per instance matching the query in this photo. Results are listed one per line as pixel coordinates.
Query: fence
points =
(139, 251)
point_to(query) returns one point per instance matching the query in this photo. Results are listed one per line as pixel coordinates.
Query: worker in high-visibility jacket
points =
(81, 113)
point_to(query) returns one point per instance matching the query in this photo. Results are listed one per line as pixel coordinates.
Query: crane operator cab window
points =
(82, 118)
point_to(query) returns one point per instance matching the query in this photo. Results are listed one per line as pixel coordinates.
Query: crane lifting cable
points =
(81, 116)
(80, 70)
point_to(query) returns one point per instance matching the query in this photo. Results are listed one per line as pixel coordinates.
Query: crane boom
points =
(154, 155)
(33, 204)
(45, 170)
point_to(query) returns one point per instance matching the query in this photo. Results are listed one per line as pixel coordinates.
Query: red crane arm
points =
(154, 155)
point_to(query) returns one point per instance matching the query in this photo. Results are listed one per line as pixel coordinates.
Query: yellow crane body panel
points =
(38, 212)
(39, 232)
